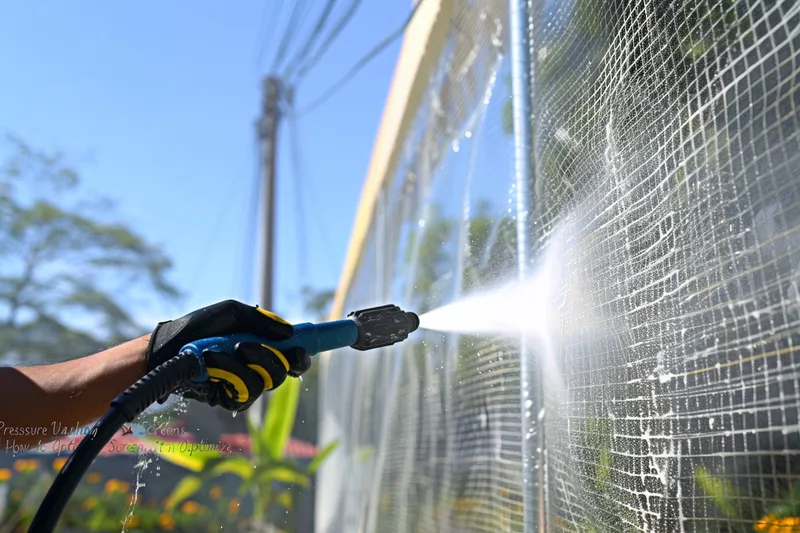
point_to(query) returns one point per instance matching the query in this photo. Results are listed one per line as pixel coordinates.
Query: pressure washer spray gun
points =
(366, 329)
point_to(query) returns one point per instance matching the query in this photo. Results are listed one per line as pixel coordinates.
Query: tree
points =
(318, 301)
(62, 264)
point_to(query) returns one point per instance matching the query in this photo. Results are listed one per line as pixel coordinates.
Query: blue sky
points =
(156, 101)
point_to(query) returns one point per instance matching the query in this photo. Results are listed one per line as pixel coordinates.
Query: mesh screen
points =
(665, 387)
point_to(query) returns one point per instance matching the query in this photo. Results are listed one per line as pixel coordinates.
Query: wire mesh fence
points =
(665, 197)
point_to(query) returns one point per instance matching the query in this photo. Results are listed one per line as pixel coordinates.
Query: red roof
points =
(295, 448)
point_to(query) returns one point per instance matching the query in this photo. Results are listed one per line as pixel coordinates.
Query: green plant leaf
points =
(285, 499)
(255, 437)
(781, 510)
(285, 475)
(239, 466)
(721, 490)
(182, 455)
(185, 488)
(279, 420)
(321, 456)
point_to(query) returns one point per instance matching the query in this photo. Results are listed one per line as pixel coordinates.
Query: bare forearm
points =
(35, 401)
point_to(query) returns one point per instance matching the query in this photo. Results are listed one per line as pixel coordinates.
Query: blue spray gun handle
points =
(314, 338)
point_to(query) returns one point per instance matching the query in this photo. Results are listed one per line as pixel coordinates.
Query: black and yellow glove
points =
(236, 379)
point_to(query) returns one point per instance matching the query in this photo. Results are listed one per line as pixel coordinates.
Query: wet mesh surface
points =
(664, 390)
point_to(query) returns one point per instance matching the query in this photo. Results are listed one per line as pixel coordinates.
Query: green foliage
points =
(267, 466)
(185, 489)
(779, 512)
(100, 505)
(491, 252)
(277, 428)
(321, 456)
(721, 491)
(432, 260)
(60, 258)
(598, 432)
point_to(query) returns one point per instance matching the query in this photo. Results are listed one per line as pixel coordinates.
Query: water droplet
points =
(233, 414)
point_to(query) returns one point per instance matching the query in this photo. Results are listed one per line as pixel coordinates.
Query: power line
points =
(308, 193)
(323, 49)
(312, 38)
(223, 209)
(288, 34)
(264, 36)
(361, 63)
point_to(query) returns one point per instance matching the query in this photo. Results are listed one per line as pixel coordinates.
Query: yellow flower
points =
(94, 478)
(5, 474)
(233, 506)
(89, 504)
(285, 499)
(166, 521)
(58, 464)
(190, 507)
(216, 492)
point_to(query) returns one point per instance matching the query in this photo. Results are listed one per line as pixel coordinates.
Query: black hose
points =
(125, 408)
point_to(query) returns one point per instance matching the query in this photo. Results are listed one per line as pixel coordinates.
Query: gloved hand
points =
(235, 380)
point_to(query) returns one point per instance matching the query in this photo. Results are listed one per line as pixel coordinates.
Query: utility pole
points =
(268, 141)
(268, 137)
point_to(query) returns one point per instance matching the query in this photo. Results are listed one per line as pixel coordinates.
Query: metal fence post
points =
(533, 450)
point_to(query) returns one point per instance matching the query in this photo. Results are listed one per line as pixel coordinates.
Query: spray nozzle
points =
(382, 326)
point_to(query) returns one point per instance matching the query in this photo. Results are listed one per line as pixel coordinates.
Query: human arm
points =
(37, 403)
(40, 402)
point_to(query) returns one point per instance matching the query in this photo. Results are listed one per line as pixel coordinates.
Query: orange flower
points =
(115, 485)
(133, 499)
(166, 521)
(58, 464)
(190, 507)
(26, 465)
(94, 478)
(5, 474)
(773, 524)
(216, 492)
(790, 524)
(89, 504)
(764, 523)
(233, 506)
